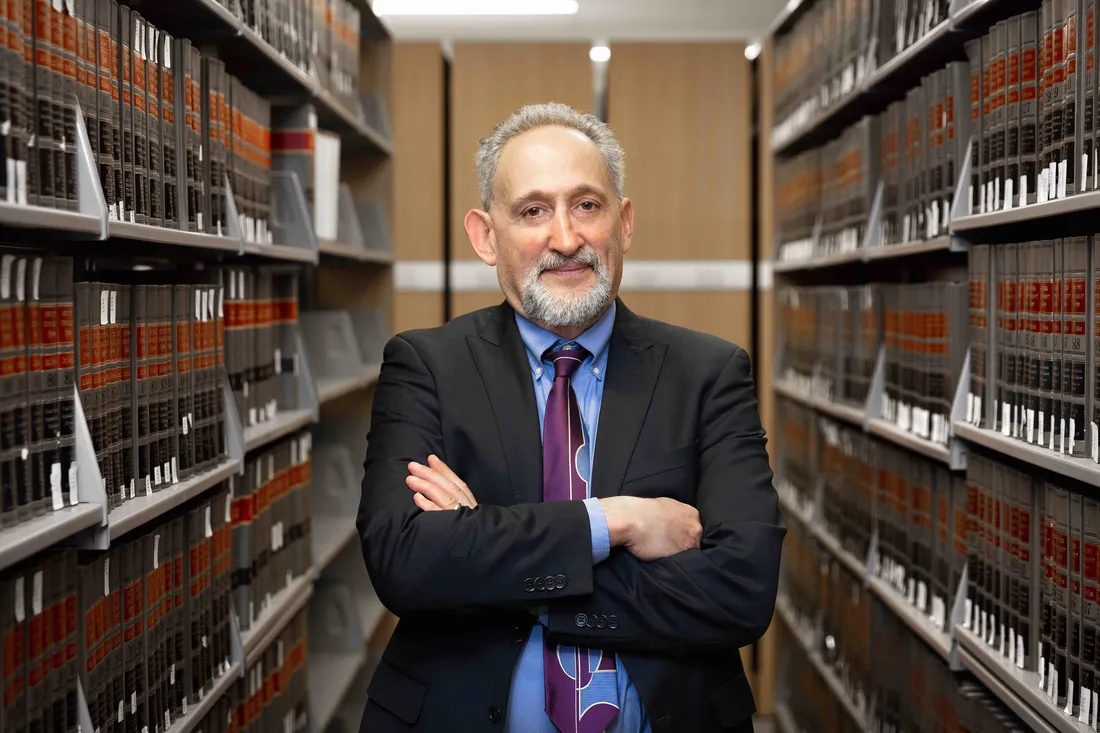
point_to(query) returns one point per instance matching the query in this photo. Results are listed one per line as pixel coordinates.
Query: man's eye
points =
(532, 211)
(589, 205)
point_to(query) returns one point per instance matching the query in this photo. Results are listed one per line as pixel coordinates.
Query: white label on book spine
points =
(922, 595)
(5, 276)
(104, 307)
(36, 593)
(978, 409)
(1023, 191)
(20, 280)
(156, 551)
(122, 712)
(1012, 646)
(55, 487)
(1062, 178)
(74, 484)
(12, 187)
(148, 486)
(1020, 651)
(133, 703)
(1069, 698)
(278, 361)
(1095, 443)
(209, 529)
(167, 472)
(966, 615)
(1095, 707)
(156, 475)
(36, 276)
(1086, 707)
(1005, 422)
(1030, 425)
(1039, 427)
(106, 577)
(970, 407)
(1072, 436)
(1063, 434)
(21, 181)
(175, 472)
(20, 601)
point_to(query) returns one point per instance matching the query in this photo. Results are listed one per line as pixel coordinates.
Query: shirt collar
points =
(595, 340)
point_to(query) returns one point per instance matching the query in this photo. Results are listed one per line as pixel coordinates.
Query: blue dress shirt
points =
(527, 706)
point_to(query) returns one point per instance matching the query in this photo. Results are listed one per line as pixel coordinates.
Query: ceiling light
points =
(752, 51)
(599, 54)
(474, 7)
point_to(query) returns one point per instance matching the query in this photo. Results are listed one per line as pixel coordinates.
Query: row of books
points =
(868, 485)
(835, 44)
(1029, 327)
(274, 692)
(1033, 541)
(885, 671)
(320, 37)
(167, 125)
(271, 524)
(144, 626)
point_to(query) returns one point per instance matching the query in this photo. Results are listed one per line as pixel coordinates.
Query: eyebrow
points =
(583, 188)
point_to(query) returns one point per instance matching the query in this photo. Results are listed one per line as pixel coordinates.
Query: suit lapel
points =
(499, 355)
(633, 365)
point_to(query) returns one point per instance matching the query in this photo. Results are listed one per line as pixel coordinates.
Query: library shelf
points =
(1016, 688)
(330, 248)
(333, 388)
(920, 624)
(819, 263)
(352, 122)
(846, 413)
(281, 252)
(190, 721)
(805, 516)
(330, 536)
(27, 538)
(885, 430)
(1079, 469)
(783, 610)
(908, 249)
(145, 508)
(284, 423)
(1033, 212)
(869, 95)
(832, 544)
(966, 13)
(176, 237)
(282, 608)
(331, 675)
(55, 220)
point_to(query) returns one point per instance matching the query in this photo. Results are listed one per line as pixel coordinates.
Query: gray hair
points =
(534, 116)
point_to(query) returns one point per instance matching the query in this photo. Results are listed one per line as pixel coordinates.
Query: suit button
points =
(581, 620)
(494, 714)
(548, 581)
(529, 585)
(540, 584)
(559, 582)
(613, 622)
(591, 621)
(601, 622)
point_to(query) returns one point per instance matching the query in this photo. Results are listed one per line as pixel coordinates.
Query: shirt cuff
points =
(601, 535)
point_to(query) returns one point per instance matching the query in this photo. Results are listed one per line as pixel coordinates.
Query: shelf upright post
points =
(89, 479)
(89, 191)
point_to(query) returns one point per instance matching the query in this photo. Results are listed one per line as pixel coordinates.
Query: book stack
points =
(798, 429)
(149, 381)
(847, 173)
(835, 45)
(798, 202)
(831, 339)
(37, 464)
(926, 334)
(273, 694)
(261, 314)
(271, 535)
(1037, 376)
(847, 470)
(338, 50)
(922, 142)
(298, 146)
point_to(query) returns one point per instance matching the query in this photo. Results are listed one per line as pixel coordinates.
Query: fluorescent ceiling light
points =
(599, 54)
(474, 7)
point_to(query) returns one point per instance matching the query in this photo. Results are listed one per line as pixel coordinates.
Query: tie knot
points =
(567, 359)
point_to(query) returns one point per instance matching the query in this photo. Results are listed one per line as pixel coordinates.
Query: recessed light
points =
(599, 54)
(474, 7)
(752, 51)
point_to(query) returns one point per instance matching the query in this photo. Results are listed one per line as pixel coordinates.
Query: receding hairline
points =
(534, 191)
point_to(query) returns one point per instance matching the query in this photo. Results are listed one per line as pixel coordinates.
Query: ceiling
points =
(605, 21)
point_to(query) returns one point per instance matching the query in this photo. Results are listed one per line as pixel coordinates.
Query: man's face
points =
(556, 229)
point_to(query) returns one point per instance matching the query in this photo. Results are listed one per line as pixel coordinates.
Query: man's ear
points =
(479, 228)
(626, 218)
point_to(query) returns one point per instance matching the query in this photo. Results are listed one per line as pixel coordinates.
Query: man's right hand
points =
(652, 529)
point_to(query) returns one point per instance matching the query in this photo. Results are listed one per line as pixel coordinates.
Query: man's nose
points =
(566, 238)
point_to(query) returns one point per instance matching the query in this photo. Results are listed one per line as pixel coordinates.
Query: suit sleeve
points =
(488, 556)
(720, 595)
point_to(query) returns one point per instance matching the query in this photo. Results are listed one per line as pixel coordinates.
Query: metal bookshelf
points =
(281, 609)
(29, 537)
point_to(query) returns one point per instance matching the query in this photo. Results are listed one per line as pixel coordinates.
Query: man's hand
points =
(436, 486)
(652, 529)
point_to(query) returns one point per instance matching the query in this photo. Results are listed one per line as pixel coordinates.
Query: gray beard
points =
(573, 309)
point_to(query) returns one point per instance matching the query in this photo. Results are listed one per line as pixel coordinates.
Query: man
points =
(568, 506)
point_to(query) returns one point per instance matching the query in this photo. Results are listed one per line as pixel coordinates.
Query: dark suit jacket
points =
(679, 419)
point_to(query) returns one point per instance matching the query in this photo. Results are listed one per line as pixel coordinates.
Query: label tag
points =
(74, 484)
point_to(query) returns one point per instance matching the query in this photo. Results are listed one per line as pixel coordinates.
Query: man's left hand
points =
(436, 487)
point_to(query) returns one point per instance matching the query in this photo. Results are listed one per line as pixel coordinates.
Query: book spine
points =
(168, 132)
(1088, 97)
(152, 50)
(1074, 343)
(1071, 128)
(1073, 648)
(65, 15)
(138, 78)
(1090, 611)
(126, 110)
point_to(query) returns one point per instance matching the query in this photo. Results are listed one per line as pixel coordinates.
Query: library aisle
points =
(177, 503)
(936, 271)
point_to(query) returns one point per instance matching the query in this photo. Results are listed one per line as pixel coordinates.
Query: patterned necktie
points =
(581, 692)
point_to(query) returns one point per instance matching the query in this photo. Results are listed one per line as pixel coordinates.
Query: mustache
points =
(553, 260)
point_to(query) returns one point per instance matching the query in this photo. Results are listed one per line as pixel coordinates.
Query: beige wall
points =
(419, 187)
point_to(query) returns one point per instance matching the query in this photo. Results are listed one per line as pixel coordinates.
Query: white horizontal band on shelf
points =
(470, 276)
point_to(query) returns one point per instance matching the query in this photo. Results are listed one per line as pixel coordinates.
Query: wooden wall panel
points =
(489, 81)
(682, 112)
(419, 206)
(724, 314)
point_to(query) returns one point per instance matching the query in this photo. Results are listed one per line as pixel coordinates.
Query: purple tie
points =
(581, 692)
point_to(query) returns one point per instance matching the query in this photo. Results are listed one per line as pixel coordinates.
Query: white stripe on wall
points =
(469, 276)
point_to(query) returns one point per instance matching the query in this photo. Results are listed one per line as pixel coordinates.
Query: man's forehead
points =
(550, 158)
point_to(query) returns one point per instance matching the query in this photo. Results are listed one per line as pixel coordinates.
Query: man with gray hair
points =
(569, 506)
